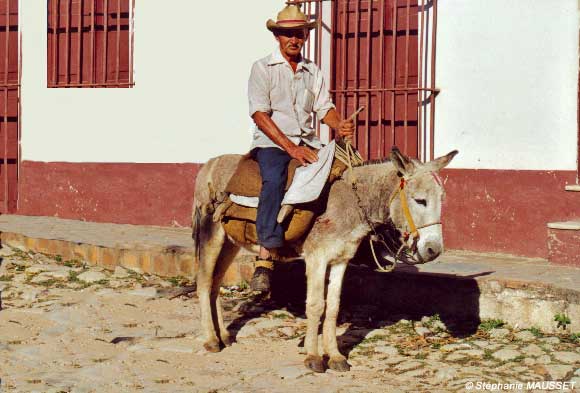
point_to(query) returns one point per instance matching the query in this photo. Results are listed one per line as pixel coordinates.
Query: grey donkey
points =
(350, 215)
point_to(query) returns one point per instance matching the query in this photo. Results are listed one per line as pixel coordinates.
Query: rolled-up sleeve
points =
(322, 101)
(258, 90)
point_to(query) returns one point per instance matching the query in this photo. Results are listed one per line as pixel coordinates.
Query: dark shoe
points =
(261, 279)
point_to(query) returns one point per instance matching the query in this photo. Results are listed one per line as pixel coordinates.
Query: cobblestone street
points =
(68, 327)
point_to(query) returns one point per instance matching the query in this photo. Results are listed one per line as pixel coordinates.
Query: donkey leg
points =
(212, 238)
(315, 275)
(227, 256)
(337, 361)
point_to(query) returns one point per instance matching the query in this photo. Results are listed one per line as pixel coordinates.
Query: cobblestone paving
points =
(67, 327)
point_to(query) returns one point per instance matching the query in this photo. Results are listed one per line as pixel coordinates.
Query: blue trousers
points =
(273, 164)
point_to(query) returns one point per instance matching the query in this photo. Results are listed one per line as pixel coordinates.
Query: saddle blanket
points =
(307, 183)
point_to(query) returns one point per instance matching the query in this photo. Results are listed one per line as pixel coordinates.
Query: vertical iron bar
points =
(105, 40)
(406, 119)
(5, 117)
(394, 68)
(356, 67)
(19, 124)
(382, 79)
(369, 71)
(132, 27)
(333, 68)
(343, 55)
(118, 41)
(55, 42)
(318, 50)
(319, 20)
(420, 92)
(67, 42)
(92, 46)
(306, 48)
(80, 43)
(432, 103)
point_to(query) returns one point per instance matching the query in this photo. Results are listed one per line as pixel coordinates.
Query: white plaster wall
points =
(192, 62)
(508, 73)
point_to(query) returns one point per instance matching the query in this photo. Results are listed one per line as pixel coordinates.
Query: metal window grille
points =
(382, 55)
(90, 43)
(10, 70)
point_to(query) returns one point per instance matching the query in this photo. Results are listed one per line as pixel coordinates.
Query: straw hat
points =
(290, 18)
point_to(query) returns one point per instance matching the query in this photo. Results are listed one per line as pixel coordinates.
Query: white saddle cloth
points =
(307, 183)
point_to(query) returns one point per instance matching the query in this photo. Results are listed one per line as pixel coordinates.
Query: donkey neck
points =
(375, 184)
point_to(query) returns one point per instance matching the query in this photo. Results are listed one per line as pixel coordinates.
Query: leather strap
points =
(264, 263)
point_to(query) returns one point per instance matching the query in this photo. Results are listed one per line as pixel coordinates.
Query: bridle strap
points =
(400, 191)
(407, 213)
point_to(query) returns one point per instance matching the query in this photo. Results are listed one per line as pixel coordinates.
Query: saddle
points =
(246, 180)
(240, 221)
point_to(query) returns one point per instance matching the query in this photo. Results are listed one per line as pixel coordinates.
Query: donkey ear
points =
(402, 163)
(439, 163)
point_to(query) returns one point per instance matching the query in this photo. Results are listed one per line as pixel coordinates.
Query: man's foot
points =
(261, 281)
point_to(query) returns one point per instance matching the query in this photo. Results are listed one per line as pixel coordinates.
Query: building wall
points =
(192, 61)
(508, 74)
(131, 155)
(507, 70)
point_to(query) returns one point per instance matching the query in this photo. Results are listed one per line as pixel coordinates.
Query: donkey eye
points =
(421, 202)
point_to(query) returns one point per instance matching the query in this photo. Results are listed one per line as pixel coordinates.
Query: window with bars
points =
(90, 43)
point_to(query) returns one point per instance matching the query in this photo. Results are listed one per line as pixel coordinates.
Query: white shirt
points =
(289, 98)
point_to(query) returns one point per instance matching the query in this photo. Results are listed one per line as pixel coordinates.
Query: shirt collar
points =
(277, 58)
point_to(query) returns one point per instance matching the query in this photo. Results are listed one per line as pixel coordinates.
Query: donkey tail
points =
(196, 230)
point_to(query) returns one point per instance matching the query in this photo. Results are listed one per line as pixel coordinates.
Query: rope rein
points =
(350, 157)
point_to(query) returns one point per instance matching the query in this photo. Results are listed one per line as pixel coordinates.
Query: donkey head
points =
(415, 205)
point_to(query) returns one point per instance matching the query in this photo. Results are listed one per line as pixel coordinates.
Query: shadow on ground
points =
(372, 300)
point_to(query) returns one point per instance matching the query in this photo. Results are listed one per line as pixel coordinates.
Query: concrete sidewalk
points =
(530, 291)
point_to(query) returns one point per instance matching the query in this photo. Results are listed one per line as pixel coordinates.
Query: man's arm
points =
(302, 153)
(345, 128)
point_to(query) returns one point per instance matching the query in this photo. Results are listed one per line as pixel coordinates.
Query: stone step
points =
(573, 187)
(564, 243)
(155, 250)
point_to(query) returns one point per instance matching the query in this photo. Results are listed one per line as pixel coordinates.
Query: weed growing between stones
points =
(178, 281)
(563, 321)
(374, 339)
(489, 324)
(536, 332)
(75, 263)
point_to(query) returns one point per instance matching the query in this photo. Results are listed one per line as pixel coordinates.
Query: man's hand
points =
(303, 154)
(346, 128)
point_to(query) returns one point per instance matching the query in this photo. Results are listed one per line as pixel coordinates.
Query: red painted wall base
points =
(505, 211)
(502, 211)
(146, 194)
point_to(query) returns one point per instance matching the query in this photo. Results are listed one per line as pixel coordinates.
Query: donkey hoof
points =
(212, 346)
(338, 364)
(227, 341)
(314, 363)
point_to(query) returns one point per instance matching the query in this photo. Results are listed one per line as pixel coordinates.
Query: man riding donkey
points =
(284, 90)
